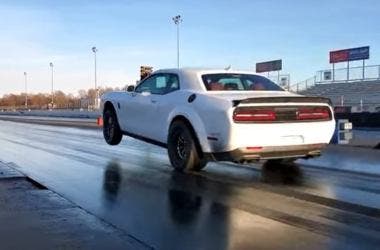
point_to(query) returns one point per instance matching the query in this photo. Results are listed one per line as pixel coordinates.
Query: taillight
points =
(280, 114)
(254, 115)
(254, 148)
(313, 113)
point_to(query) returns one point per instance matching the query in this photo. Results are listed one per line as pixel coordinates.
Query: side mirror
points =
(130, 88)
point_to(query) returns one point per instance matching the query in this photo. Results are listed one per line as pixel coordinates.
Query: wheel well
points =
(190, 126)
(108, 105)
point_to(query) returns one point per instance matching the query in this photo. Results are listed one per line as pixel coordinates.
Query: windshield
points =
(244, 82)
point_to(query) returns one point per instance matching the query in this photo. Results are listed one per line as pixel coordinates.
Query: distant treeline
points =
(84, 99)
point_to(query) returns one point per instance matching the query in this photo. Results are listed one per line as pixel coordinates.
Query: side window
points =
(146, 85)
(172, 83)
(166, 83)
(159, 84)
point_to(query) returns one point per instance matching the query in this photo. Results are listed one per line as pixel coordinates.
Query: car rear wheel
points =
(111, 129)
(183, 149)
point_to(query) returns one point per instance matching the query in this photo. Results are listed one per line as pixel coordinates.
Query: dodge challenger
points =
(203, 115)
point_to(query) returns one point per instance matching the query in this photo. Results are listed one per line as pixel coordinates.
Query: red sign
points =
(339, 56)
(353, 54)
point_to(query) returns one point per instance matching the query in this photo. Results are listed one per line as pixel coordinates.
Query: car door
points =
(163, 100)
(146, 113)
(136, 108)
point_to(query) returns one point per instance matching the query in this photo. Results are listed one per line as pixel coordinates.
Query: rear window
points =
(236, 82)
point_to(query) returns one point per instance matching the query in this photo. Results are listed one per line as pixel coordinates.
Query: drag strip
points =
(133, 187)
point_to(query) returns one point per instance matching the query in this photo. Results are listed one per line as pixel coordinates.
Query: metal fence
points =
(357, 107)
(304, 85)
(371, 72)
(282, 80)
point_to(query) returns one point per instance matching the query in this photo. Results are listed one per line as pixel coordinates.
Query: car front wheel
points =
(183, 149)
(111, 130)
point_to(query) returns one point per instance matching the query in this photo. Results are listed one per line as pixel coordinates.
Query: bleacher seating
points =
(352, 93)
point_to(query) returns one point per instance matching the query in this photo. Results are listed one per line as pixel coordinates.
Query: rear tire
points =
(111, 129)
(183, 148)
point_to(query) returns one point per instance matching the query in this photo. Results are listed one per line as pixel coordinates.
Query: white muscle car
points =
(221, 115)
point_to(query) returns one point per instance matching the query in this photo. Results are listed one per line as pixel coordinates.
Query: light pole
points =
(94, 49)
(177, 20)
(52, 84)
(26, 91)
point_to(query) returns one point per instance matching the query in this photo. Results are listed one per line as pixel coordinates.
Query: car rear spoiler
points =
(284, 99)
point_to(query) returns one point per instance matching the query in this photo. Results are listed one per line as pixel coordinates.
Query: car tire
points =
(183, 149)
(111, 129)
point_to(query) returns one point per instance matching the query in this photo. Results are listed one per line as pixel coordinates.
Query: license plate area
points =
(292, 139)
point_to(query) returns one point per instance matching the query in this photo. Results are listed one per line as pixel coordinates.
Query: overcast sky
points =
(140, 32)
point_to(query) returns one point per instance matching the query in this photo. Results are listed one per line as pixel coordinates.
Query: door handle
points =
(153, 101)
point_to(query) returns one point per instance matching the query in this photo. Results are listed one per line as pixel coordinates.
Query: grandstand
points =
(362, 95)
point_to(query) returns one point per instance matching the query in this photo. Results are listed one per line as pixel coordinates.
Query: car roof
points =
(190, 77)
(203, 71)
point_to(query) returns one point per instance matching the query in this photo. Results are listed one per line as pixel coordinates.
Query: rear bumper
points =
(270, 152)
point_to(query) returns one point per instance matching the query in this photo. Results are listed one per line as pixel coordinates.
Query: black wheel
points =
(183, 149)
(111, 130)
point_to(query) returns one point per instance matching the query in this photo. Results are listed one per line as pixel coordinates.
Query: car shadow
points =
(273, 172)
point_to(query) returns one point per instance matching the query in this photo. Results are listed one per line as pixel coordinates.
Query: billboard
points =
(344, 55)
(268, 66)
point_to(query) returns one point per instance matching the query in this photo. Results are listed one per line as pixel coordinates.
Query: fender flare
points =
(113, 99)
(195, 121)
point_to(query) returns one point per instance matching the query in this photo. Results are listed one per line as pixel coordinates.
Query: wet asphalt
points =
(32, 217)
(226, 206)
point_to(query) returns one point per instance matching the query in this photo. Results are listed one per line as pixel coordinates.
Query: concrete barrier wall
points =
(55, 113)
(370, 120)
